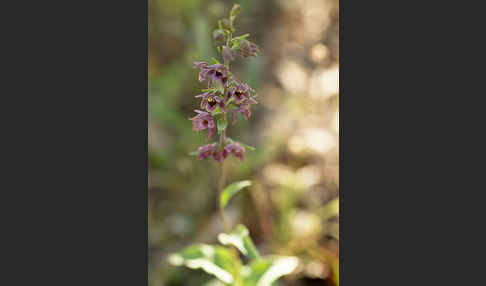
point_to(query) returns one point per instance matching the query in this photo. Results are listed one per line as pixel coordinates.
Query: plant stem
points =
(222, 137)
(222, 176)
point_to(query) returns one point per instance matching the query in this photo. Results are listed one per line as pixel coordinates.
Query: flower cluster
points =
(224, 96)
(220, 154)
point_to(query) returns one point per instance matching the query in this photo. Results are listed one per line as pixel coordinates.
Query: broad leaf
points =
(240, 238)
(215, 260)
(231, 190)
(265, 271)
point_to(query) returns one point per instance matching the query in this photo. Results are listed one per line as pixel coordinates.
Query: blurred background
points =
(292, 206)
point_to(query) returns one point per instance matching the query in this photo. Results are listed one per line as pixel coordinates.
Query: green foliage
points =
(222, 262)
(232, 190)
(215, 260)
(265, 271)
(240, 238)
(241, 37)
(215, 61)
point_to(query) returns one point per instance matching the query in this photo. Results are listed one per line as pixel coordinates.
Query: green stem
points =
(222, 139)
(222, 175)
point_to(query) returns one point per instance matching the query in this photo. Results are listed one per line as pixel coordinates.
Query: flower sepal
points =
(231, 141)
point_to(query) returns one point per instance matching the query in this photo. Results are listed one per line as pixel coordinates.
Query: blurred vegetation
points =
(291, 207)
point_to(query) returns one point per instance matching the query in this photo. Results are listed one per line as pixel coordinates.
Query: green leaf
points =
(231, 190)
(265, 271)
(247, 146)
(215, 260)
(215, 61)
(240, 238)
(222, 123)
(241, 37)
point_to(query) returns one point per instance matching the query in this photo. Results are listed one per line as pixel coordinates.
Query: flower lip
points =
(210, 102)
(213, 72)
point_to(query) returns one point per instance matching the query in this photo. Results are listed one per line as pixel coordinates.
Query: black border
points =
(76, 146)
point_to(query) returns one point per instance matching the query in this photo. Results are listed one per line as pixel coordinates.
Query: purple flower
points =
(217, 72)
(236, 149)
(240, 92)
(206, 151)
(242, 96)
(245, 110)
(228, 54)
(210, 101)
(248, 49)
(202, 121)
(203, 69)
(220, 155)
(211, 150)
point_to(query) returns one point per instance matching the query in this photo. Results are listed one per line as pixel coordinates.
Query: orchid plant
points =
(225, 96)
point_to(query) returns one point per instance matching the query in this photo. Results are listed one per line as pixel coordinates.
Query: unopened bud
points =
(227, 54)
(218, 35)
(235, 11)
(225, 24)
(248, 49)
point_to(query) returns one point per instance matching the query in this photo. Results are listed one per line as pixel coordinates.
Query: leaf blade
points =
(240, 238)
(215, 260)
(231, 190)
(265, 271)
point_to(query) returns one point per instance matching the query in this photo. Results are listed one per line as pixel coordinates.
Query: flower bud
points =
(226, 24)
(248, 49)
(235, 11)
(218, 35)
(228, 54)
